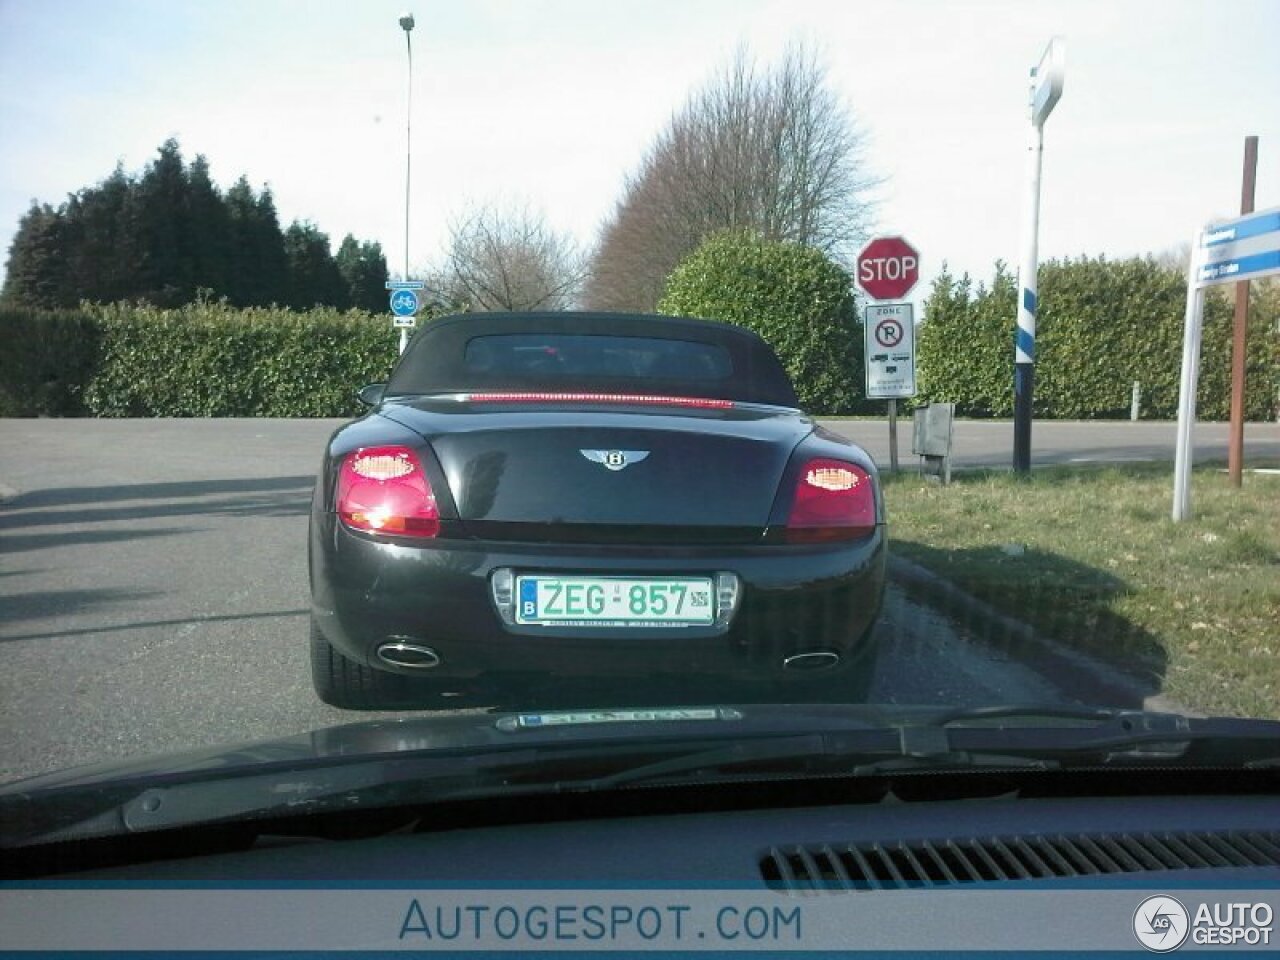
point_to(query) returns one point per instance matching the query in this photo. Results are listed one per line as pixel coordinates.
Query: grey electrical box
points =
(931, 439)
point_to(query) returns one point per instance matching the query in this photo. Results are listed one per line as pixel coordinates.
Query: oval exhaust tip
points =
(413, 656)
(814, 660)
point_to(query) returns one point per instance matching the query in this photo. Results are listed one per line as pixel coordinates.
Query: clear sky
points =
(552, 103)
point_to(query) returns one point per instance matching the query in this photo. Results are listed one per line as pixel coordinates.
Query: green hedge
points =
(1101, 325)
(203, 360)
(47, 359)
(795, 297)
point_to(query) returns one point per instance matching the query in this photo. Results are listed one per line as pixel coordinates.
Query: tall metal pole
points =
(1184, 445)
(1239, 350)
(1024, 370)
(406, 22)
(893, 436)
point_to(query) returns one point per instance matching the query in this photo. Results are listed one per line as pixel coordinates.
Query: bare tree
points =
(775, 151)
(508, 259)
(1177, 257)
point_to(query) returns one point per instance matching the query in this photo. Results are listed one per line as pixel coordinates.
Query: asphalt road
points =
(153, 588)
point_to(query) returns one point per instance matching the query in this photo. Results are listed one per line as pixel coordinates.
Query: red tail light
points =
(833, 501)
(384, 490)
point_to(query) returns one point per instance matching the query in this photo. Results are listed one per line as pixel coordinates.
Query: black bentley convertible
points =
(570, 508)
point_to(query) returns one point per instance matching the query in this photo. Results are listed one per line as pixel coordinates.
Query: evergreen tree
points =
(314, 277)
(210, 220)
(35, 274)
(104, 254)
(170, 232)
(268, 247)
(166, 275)
(364, 271)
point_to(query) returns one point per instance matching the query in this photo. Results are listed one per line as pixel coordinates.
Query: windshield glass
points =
(584, 351)
(608, 371)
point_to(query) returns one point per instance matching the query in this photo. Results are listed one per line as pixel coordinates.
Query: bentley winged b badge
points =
(615, 459)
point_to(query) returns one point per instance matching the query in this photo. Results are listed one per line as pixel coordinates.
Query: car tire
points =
(342, 682)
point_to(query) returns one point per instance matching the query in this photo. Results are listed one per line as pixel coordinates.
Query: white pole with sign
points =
(1225, 252)
(1046, 90)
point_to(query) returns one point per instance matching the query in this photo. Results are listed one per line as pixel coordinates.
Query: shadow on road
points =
(150, 624)
(1048, 611)
(270, 496)
(63, 496)
(76, 537)
(41, 604)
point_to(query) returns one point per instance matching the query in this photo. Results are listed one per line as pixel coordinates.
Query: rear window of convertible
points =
(586, 352)
(574, 356)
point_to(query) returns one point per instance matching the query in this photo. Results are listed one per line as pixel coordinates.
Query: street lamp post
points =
(406, 23)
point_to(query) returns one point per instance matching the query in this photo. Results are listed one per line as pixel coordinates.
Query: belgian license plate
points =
(615, 601)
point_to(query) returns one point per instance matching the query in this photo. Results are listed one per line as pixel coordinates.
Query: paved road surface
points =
(153, 590)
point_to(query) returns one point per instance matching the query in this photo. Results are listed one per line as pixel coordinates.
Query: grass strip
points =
(1090, 557)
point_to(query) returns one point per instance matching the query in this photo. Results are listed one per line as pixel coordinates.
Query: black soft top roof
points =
(434, 360)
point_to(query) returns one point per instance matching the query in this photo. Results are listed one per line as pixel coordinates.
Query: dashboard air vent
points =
(935, 863)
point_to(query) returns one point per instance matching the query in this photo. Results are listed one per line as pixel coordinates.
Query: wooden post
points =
(1240, 345)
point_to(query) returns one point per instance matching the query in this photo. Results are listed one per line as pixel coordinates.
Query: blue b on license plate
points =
(615, 601)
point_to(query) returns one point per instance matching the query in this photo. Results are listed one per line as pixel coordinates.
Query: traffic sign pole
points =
(1024, 369)
(1191, 326)
(893, 435)
(1224, 252)
(1046, 89)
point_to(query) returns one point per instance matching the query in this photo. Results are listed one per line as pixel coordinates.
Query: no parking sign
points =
(889, 342)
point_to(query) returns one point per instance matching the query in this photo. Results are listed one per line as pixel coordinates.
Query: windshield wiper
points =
(980, 739)
(997, 739)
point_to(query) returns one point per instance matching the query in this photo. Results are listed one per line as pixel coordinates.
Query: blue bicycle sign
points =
(404, 303)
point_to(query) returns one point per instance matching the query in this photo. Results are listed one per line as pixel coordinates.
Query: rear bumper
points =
(793, 600)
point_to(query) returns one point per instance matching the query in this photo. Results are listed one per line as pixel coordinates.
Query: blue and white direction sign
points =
(405, 285)
(1241, 249)
(404, 303)
(1225, 252)
(1047, 78)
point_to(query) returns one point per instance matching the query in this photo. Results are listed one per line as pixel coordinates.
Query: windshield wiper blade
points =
(1036, 713)
(1116, 736)
(861, 753)
(967, 740)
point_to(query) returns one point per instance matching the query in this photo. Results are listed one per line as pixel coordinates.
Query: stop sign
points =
(888, 267)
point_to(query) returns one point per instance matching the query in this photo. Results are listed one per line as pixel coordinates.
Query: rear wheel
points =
(342, 682)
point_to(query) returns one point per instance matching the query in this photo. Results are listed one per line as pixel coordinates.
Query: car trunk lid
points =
(602, 472)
